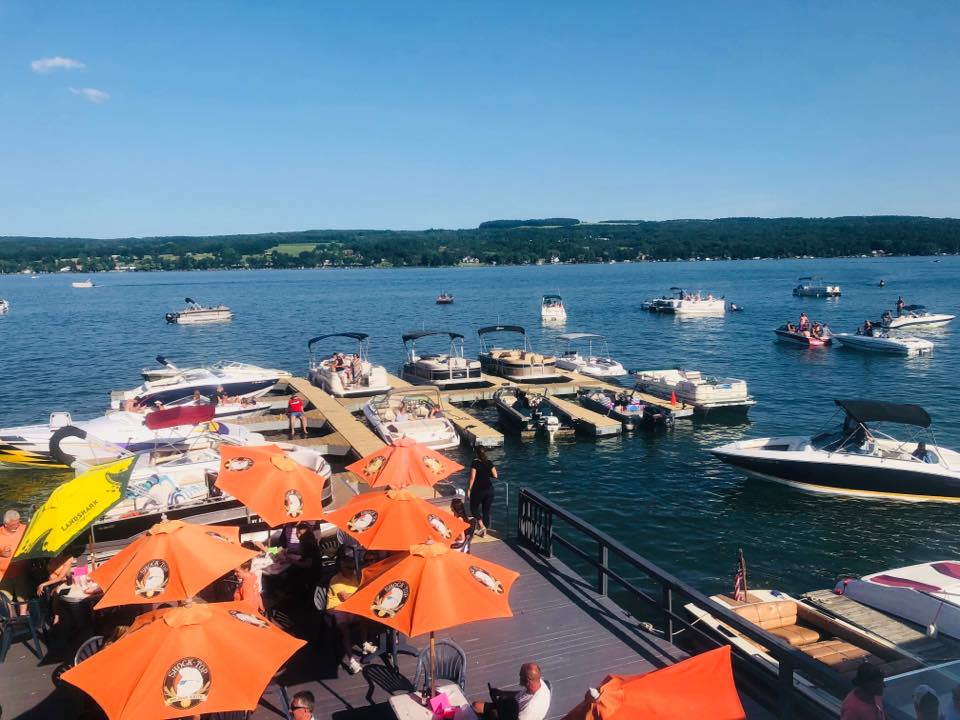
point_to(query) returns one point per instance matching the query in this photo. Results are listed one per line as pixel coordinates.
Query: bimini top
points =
(864, 411)
(424, 333)
(359, 337)
(501, 328)
(552, 297)
(570, 337)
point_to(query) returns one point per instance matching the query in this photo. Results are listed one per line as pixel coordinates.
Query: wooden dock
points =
(585, 420)
(472, 430)
(361, 438)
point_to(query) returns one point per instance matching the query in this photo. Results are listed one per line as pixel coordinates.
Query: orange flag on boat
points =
(395, 520)
(269, 482)
(187, 661)
(699, 688)
(173, 561)
(403, 464)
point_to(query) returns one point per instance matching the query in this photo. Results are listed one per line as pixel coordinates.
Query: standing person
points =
(865, 701)
(900, 305)
(294, 411)
(480, 489)
(14, 581)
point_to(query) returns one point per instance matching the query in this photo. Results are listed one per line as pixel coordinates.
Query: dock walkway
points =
(584, 419)
(361, 438)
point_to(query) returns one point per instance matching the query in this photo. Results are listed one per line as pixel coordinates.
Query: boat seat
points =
(388, 415)
(422, 411)
(779, 617)
(797, 635)
(840, 655)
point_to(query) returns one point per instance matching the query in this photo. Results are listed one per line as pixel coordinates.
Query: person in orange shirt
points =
(12, 579)
(248, 591)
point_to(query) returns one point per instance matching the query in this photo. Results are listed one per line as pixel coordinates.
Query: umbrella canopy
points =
(395, 520)
(270, 483)
(73, 507)
(188, 660)
(700, 687)
(173, 561)
(403, 464)
(432, 588)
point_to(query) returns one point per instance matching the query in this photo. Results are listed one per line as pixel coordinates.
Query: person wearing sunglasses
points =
(301, 706)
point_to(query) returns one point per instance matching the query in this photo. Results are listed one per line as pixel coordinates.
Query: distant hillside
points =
(503, 242)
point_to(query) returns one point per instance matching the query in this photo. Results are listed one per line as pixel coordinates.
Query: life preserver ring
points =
(56, 452)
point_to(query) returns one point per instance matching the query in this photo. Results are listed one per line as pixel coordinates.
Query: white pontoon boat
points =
(691, 387)
(196, 314)
(346, 374)
(416, 413)
(815, 287)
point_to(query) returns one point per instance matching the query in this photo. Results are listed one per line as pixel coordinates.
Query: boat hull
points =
(802, 340)
(918, 321)
(518, 370)
(910, 347)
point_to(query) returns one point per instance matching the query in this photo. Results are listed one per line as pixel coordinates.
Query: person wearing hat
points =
(926, 703)
(865, 701)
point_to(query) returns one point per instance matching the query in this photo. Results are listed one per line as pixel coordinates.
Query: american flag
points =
(740, 579)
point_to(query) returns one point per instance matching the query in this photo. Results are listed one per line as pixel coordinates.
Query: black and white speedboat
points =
(913, 316)
(238, 380)
(445, 370)
(856, 459)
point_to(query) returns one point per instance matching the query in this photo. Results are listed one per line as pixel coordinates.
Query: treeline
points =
(545, 222)
(494, 242)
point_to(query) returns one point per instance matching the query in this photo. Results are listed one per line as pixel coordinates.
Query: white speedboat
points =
(691, 387)
(347, 375)
(881, 341)
(4, 307)
(590, 363)
(552, 309)
(415, 413)
(857, 460)
(927, 594)
(914, 316)
(240, 381)
(520, 364)
(815, 287)
(445, 370)
(63, 440)
(88, 283)
(196, 314)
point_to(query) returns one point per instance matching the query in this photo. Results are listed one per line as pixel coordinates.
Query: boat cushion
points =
(769, 615)
(796, 635)
(840, 655)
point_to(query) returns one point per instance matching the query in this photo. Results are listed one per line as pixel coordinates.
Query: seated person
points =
(533, 698)
(301, 706)
(403, 414)
(343, 585)
(921, 452)
(459, 510)
(248, 590)
(791, 328)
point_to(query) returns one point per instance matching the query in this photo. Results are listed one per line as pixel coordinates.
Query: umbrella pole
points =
(92, 552)
(433, 664)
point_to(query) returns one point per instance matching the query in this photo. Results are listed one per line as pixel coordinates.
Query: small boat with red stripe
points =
(814, 335)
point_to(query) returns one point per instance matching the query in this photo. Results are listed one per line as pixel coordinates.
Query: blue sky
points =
(220, 117)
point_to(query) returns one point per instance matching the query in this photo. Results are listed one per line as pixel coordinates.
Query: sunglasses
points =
(299, 707)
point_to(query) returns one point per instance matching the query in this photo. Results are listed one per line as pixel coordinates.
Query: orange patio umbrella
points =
(403, 464)
(270, 483)
(699, 688)
(189, 660)
(173, 561)
(395, 520)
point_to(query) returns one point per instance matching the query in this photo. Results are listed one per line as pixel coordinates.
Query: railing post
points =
(603, 557)
(785, 687)
(666, 603)
(548, 533)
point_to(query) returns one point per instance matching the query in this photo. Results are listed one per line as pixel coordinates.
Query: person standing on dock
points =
(865, 701)
(294, 411)
(480, 489)
(13, 581)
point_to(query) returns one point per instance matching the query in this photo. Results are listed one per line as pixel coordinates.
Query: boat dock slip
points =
(358, 436)
(585, 420)
(474, 431)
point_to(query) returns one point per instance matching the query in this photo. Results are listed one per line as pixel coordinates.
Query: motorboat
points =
(838, 645)
(926, 594)
(166, 370)
(445, 370)
(234, 368)
(416, 413)
(815, 287)
(857, 459)
(590, 363)
(520, 364)
(913, 316)
(528, 412)
(62, 440)
(552, 309)
(195, 314)
(878, 340)
(4, 307)
(808, 338)
(444, 298)
(346, 375)
(686, 304)
(88, 283)
(690, 387)
(240, 381)
(626, 407)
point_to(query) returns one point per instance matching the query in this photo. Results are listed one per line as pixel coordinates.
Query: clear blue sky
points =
(220, 117)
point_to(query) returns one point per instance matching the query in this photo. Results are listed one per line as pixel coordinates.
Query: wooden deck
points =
(363, 440)
(584, 419)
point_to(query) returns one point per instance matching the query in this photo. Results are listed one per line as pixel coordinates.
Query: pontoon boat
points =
(445, 370)
(815, 287)
(590, 363)
(520, 364)
(416, 413)
(347, 375)
(88, 283)
(195, 314)
(690, 387)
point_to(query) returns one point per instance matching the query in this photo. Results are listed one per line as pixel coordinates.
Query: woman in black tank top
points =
(480, 490)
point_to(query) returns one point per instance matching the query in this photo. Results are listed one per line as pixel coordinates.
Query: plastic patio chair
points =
(451, 664)
(90, 647)
(15, 627)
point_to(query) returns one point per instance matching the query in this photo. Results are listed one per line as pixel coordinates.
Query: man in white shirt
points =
(533, 699)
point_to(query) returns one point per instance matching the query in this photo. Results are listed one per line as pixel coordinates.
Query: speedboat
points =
(926, 594)
(346, 376)
(691, 387)
(552, 309)
(624, 406)
(195, 314)
(913, 316)
(815, 287)
(416, 413)
(527, 412)
(444, 298)
(445, 370)
(4, 306)
(520, 364)
(878, 340)
(234, 368)
(88, 283)
(856, 460)
(238, 380)
(804, 338)
(589, 364)
(63, 440)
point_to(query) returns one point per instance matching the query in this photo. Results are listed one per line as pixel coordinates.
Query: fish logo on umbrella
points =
(249, 619)
(373, 467)
(432, 464)
(391, 599)
(186, 684)
(239, 464)
(362, 521)
(486, 579)
(293, 503)
(437, 523)
(152, 579)
(218, 536)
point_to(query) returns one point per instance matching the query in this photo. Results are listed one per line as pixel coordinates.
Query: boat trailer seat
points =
(779, 617)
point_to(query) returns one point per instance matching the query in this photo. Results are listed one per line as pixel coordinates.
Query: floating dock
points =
(361, 438)
(585, 420)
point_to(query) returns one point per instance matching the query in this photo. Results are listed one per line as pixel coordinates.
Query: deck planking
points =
(584, 419)
(363, 440)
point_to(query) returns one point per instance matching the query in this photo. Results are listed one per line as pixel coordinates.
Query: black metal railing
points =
(544, 527)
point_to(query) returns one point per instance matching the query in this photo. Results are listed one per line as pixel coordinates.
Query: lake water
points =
(664, 495)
